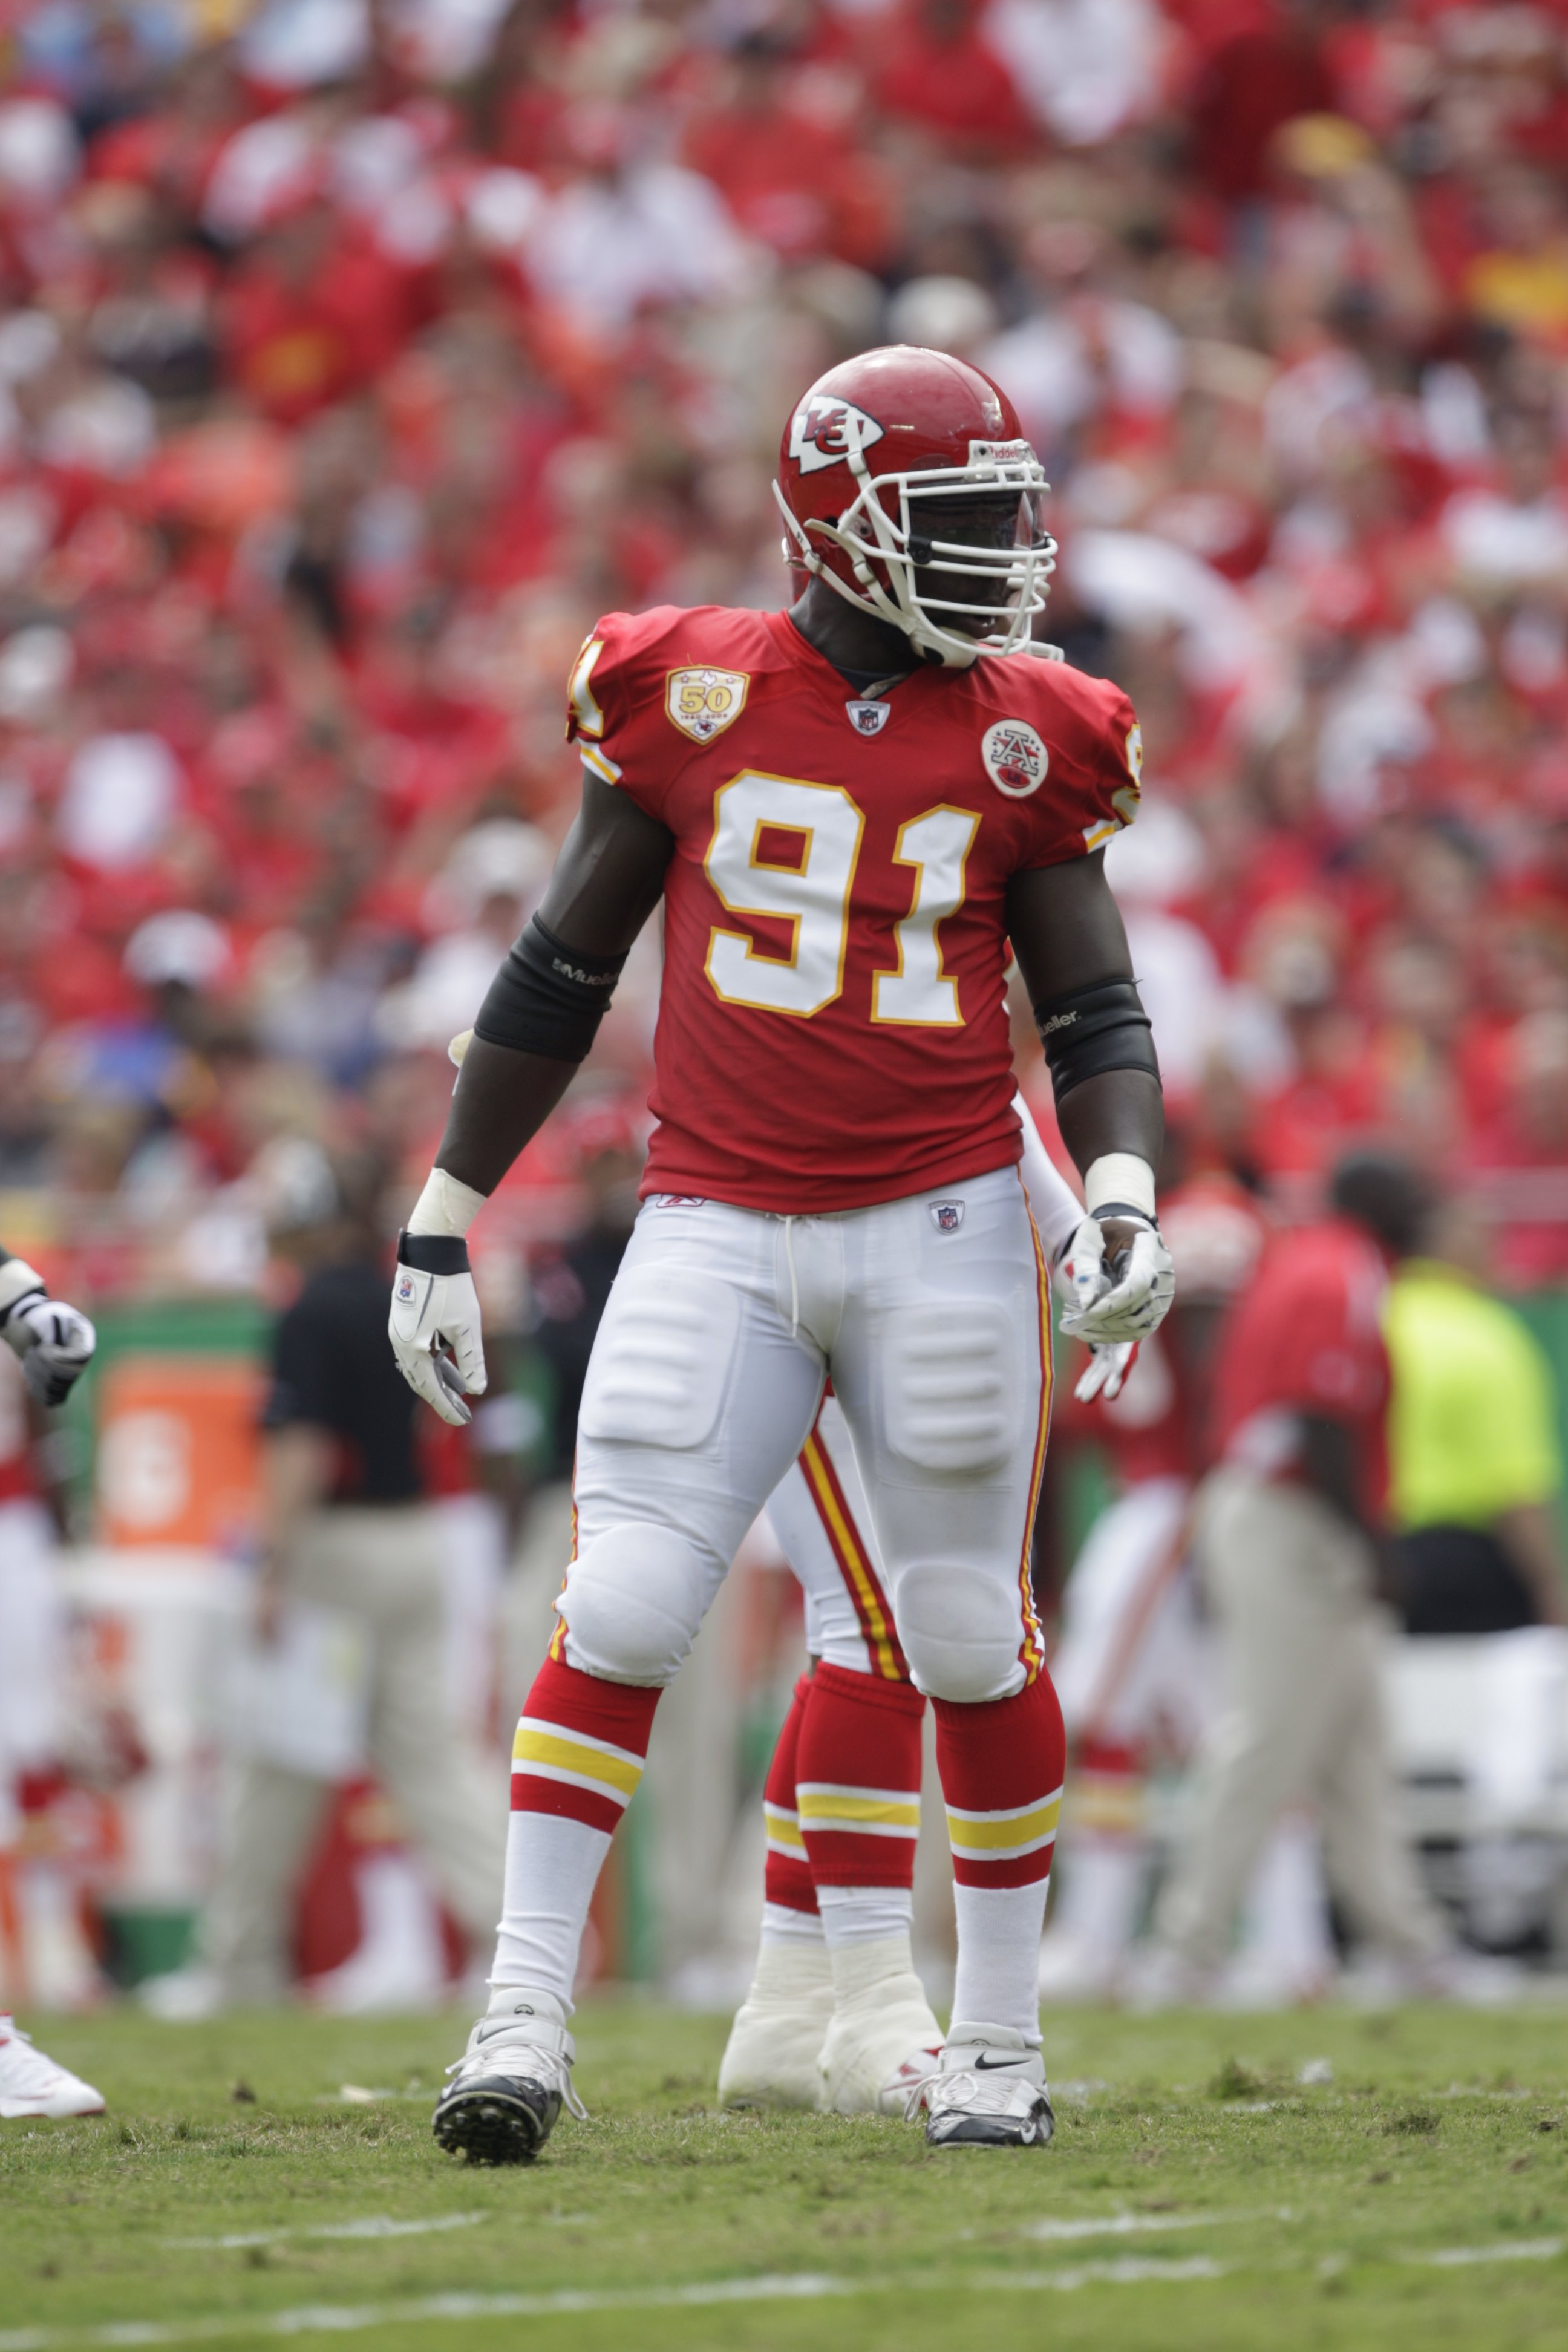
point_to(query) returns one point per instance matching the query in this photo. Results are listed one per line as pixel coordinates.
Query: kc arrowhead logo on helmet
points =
(823, 432)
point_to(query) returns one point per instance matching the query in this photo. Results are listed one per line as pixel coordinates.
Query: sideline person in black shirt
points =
(346, 1531)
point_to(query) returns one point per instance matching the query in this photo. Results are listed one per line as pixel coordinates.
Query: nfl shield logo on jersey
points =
(868, 718)
(703, 702)
(1016, 759)
(947, 1215)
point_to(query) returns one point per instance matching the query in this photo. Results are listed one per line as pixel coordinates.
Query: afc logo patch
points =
(1015, 760)
(703, 702)
(947, 1215)
(868, 718)
(824, 432)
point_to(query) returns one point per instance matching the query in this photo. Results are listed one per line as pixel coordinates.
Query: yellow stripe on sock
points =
(619, 1772)
(1000, 1836)
(853, 1813)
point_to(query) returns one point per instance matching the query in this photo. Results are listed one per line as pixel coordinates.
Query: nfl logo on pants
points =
(947, 1215)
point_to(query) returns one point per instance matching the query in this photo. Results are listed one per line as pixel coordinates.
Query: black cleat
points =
(507, 2090)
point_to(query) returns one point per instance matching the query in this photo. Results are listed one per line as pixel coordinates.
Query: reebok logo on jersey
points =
(1015, 760)
(947, 1215)
(868, 718)
(703, 702)
(824, 431)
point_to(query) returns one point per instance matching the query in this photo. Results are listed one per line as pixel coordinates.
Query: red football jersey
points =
(832, 1030)
(1307, 1338)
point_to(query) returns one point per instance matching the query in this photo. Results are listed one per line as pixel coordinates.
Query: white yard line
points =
(343, 2319)
(1505, 2250)
(1122, 2225)
(377, 2226)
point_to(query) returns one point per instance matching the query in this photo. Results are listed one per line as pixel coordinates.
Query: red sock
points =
(1001, 1766)
(857, 1778)
(787, 1876)
(580, 1745)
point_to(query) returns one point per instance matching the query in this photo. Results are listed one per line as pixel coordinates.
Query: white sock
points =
(865, 1915)
(781, 1924)
(552, 1866)
(998, 1980)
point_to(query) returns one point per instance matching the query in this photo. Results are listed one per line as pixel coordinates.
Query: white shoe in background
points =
(187, 1996)
(32, 2084)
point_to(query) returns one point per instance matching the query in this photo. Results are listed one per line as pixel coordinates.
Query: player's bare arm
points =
(606, 883)
(536, 1025)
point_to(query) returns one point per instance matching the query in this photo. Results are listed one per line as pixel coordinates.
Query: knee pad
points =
(635, 1598)
(962, 1632)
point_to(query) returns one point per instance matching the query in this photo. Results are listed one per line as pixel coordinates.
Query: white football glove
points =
(1105, 1374)
(55, 1343)
(1124, 1300)
(435, 1307)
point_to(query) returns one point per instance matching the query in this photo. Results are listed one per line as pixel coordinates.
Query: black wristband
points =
(547, 998)
(433, 1252)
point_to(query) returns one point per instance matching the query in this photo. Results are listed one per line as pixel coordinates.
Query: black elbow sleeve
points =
(1096, 1029)
(547, 998)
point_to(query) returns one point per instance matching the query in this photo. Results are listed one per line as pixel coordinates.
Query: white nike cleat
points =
(508, 2087)
(32, 2084)
(990, 2092)
(771, 2058)
(882, 2044)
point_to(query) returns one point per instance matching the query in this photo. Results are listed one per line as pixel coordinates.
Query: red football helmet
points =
(933, 429)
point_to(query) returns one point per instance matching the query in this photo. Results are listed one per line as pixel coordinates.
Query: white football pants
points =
(932, 1318)
(1133, 1665)
(818, 1511)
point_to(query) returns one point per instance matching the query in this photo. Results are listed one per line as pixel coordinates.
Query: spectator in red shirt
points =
(1288, 1528)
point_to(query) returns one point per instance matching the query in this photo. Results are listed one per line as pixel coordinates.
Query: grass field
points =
(1217, 2182)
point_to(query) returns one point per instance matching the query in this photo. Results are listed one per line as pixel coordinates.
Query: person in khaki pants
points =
(346, 1529)
(1286, 1538)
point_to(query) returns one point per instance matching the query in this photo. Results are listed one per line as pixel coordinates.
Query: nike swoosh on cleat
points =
(983, 2065)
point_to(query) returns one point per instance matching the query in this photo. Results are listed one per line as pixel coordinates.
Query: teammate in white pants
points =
(54, 1344)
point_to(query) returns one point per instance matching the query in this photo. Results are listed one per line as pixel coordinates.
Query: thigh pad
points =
(953, 1381)
(661, 1359)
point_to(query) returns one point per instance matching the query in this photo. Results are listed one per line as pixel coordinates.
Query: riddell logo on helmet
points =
(824, 432)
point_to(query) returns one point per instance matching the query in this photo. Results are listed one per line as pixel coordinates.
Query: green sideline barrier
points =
(1547, 1314)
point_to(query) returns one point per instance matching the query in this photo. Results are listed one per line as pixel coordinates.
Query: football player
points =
(835, 2016)
(849, 810)
(54, 1344)
(1132, 1667)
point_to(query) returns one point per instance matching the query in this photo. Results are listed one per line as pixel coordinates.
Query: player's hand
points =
(55, 1343)
(1105, 1374)
(1120, 1278)
(435, 1310)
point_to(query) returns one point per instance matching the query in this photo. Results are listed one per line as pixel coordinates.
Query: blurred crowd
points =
(357, 353)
